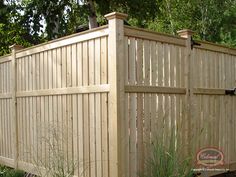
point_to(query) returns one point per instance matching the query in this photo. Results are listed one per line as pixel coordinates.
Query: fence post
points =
(116, 94)
(14, 48)
(186, 33)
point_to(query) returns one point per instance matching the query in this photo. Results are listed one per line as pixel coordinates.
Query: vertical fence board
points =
(104, 109)
(140, 144)
(80, 112)
(98, 133)
(74, 109)
(146, 62)
(153, 96)
(125, 133)
(92, 108)
(132, 105)
(86, 111)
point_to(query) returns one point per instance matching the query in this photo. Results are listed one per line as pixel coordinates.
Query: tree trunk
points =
(92, 15)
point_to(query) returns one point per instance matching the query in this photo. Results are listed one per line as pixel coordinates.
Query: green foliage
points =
(140, 10)
(52, 11)
(166, 161)
(212, 20)
(11, 30)
(8, 172)
(62, 17)
(228, 28)
(11, 34)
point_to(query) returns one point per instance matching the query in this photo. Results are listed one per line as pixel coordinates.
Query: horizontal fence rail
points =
(154, 89)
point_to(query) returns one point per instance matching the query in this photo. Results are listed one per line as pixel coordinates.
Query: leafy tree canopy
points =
(208, 18)
(10, 29)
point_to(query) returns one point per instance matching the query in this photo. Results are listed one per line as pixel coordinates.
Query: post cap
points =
(16, 47)
(117, 15)
(185, 33)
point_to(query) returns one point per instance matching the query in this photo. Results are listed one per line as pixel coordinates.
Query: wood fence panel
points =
(6, 129)
(151, 115)
(72, 122)
(215, 112)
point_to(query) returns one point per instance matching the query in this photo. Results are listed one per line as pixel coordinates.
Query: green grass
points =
(165, 161)
(9, 172)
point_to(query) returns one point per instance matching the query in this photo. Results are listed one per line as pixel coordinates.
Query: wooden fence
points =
(102, 96)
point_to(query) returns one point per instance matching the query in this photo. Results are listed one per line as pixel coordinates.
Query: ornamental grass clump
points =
(166, 161)
(9, 172)
(58, 162)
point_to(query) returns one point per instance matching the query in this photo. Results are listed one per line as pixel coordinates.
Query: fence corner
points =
(116, 95)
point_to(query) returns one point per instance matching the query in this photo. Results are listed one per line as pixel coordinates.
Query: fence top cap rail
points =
(65, 37)
(5, 56)
(215, 44)
(154, 32)
(118, 15)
